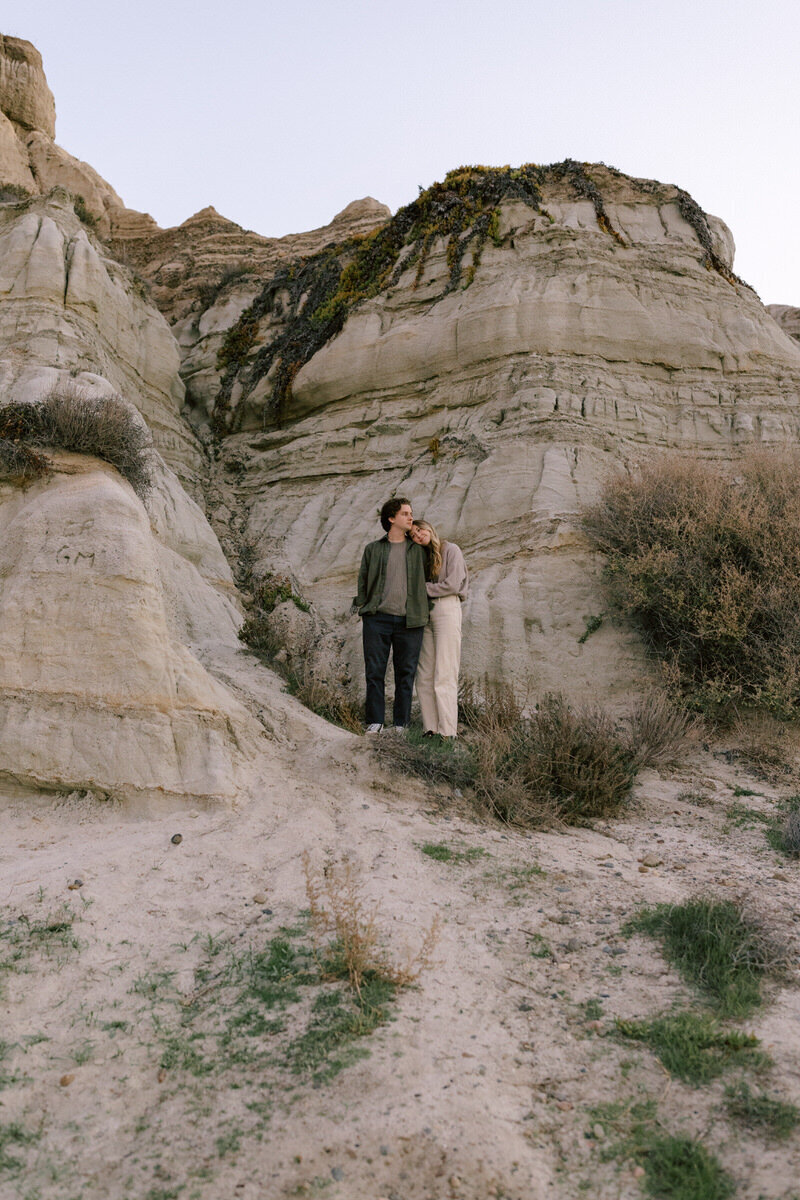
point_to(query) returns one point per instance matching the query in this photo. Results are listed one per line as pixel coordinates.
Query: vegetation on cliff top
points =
(70, 419)
(309, 300)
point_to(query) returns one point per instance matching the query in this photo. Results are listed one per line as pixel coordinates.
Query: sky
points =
(280, 114)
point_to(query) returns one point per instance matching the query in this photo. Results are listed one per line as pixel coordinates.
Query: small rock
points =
(564, 1105)
(176, 839)
(599, 1132)
(643, 871)
(76, 883)
(780, 875)
(651, 860)
(162, 1075)
(260, 898)
(66, 1080)
(565, 966)
(337, 1173)
(638, 1172)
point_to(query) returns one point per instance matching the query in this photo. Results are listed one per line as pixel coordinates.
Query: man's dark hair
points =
(390, 509)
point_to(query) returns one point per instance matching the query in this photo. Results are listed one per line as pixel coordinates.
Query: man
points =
(393, 604)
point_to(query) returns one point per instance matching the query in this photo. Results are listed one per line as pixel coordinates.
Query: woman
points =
(440, 657)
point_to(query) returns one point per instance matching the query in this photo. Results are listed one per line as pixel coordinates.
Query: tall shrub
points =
(707, 559)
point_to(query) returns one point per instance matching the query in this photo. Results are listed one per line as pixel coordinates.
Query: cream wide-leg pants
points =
(437, 671)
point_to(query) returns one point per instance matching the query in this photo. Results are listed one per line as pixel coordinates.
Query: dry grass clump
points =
(573, 758)
(19, 462)
(488, 704)
(68, 418)
(324, 698)
(657, 731)
(708, 561)
(771, 746)
(560, 764)
(339, 908)
(786, 835)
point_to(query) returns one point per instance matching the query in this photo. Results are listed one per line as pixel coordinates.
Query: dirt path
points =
(485, 1079)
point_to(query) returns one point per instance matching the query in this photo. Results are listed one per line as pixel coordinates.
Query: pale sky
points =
(280, 114)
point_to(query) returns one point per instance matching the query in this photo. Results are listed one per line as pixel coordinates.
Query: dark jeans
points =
(382, 633)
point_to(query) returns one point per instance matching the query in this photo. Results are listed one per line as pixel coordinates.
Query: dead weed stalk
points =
(338, 907)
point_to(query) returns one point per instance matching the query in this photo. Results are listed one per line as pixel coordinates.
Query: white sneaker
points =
(373, 729)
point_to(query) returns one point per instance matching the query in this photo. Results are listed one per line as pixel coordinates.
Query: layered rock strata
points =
(107, 606)
(576, 346)
(30, 159)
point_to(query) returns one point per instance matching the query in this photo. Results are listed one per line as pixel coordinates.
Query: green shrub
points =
(82, 212)
(708, 561)
(714, 946)
(12, 193)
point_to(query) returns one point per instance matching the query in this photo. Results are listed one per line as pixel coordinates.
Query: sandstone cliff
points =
(494, 375)
(492, 350)
(106, 605)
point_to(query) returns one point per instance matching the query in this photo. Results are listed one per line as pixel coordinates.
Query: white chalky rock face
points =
(107, 607)
(97, 688)
(67, 309)
(499, 409)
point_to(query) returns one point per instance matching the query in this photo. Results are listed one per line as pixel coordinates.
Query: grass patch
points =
(539, 946)
(441, 852)
(13, 1137)
(23, 937)
(739, 816)
(775, 1118)
(676, 1168)
(331, 1041)
(714, 946)
(592, 1010)
(693, 1046)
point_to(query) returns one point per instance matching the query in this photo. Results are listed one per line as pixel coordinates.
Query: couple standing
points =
(410, 588)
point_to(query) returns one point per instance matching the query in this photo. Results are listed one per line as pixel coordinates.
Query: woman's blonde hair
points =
(433, 551)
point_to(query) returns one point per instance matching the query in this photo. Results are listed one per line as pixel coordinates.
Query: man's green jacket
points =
(372, 582)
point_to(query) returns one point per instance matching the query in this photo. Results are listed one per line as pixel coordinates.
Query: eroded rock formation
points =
(107, 607)
(584, 333)
(491, 351)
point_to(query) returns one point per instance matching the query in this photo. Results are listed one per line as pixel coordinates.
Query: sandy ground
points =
(481, 1082)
